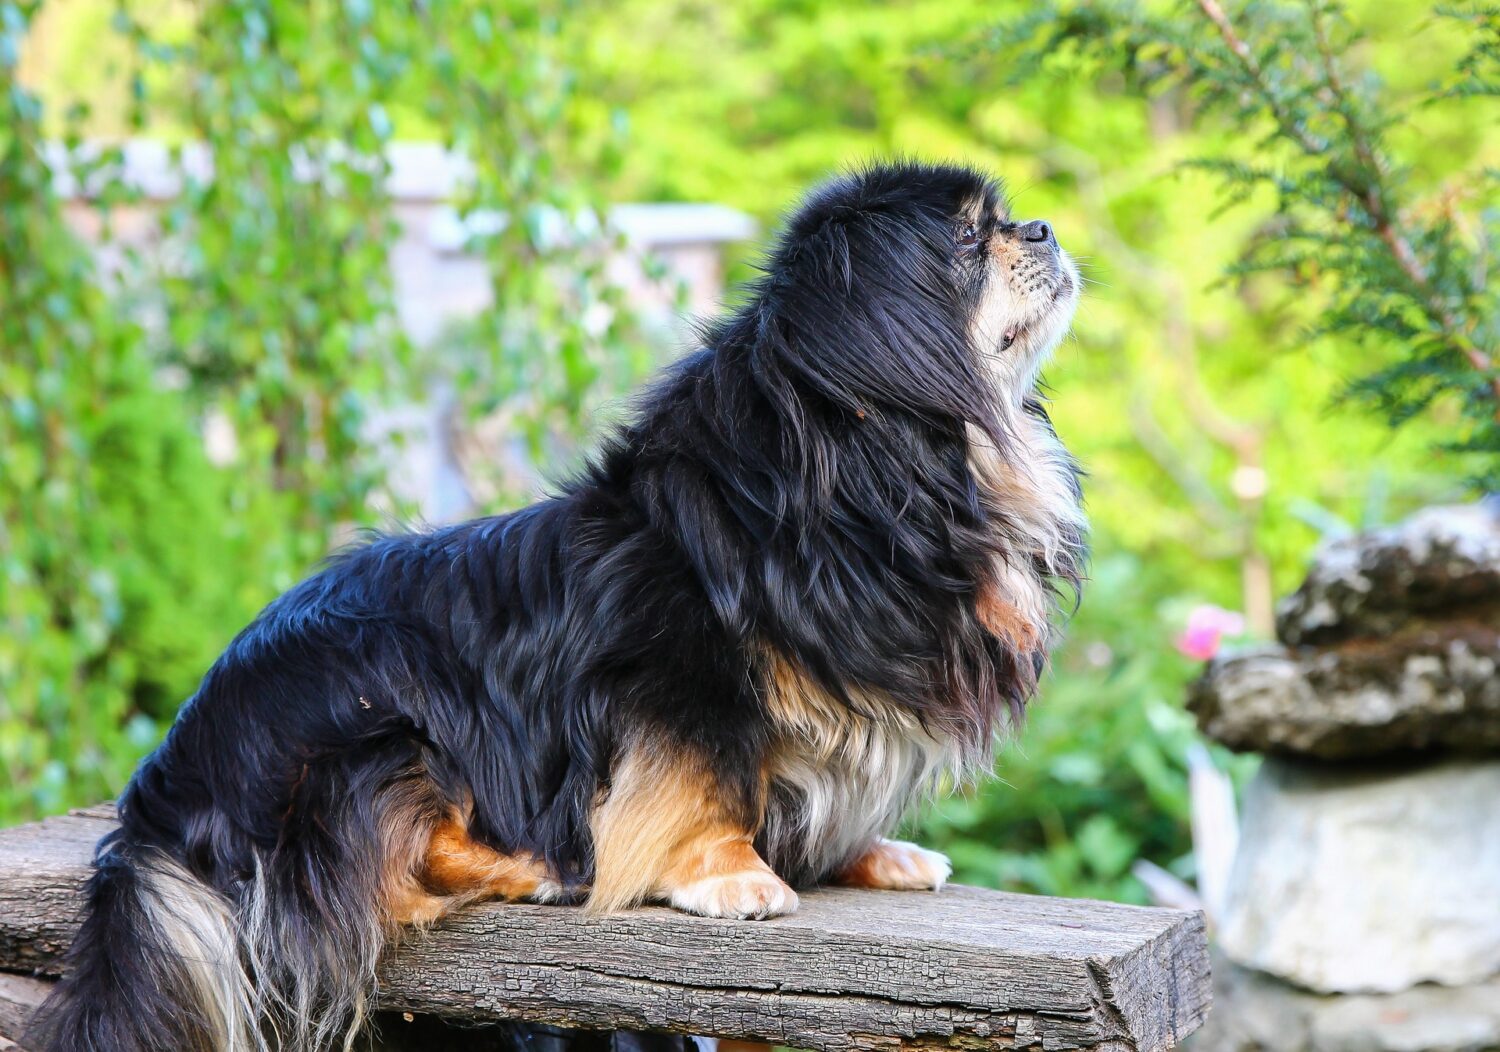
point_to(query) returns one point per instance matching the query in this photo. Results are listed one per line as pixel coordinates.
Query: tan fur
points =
(433, 866)
(721, 875)
(410, 814)
(457, 865)
(1031, 488)
(662, 833)
(1007, 621)
(1032, 484)
(896, 865)
(1028, 481)
(828, 728)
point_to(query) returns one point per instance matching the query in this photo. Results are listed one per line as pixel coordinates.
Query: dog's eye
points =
(968, 237)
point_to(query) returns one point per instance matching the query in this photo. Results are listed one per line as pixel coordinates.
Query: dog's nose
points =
(1037, 230)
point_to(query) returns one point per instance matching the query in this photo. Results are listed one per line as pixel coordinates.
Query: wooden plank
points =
(851, 970)
(19, 997)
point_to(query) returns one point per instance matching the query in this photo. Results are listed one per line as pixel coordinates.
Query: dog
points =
(810, 580)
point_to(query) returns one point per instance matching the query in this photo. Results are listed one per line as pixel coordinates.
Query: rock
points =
(1256, 1013)
(1362, 879)
(1392, 644)
(1441, 562)
(1425, 686)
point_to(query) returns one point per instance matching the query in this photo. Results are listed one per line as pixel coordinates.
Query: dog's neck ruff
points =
(843, 773)
(1031, 483)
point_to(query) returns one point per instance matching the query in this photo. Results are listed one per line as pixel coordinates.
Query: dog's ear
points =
(865, 310)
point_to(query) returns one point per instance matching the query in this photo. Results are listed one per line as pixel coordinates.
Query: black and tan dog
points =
(810, 581)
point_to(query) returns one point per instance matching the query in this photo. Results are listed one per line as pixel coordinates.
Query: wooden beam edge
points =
(1174, 999)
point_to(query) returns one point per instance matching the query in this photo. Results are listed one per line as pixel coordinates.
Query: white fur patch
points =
(1034, 309)
(312, 1005)
(550, 891)
(198, 925)
(841, 780)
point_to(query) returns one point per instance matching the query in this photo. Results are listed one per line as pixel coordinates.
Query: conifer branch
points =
(1368, 190)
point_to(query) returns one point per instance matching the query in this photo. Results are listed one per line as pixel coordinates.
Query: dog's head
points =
(913, 283)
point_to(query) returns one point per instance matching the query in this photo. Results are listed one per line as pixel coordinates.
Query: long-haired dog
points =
(812, 579)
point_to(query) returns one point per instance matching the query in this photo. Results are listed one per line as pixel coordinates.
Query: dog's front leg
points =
(669, 830)
(895, 865)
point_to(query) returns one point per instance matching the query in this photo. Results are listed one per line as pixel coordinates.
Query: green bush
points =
(115, 533)
(128, 559)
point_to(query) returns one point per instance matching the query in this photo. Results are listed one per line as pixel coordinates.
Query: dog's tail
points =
(156, 965)
(165, 962)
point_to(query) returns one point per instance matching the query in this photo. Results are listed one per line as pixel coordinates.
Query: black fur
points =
(801, 485)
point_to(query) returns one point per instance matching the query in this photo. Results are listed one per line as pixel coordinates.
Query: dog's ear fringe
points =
(852, 304)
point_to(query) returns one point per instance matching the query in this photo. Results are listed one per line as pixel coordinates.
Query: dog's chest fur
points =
(838, 779)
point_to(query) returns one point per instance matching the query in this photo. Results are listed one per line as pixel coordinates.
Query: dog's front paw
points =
(897, 865)
(752, 894)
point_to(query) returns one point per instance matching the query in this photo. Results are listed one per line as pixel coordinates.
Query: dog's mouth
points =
(1062, 287)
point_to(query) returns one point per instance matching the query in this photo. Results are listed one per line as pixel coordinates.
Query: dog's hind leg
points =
(457, 865)
(452, 869)
(668, 831)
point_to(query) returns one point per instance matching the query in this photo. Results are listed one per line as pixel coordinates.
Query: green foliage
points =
(112, 599)
(556, 341)
(1396, 260)
(278, 305)
(1477, 72)
(127, 559)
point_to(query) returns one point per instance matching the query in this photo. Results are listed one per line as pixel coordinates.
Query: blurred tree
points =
(1394, 259)
(275, 290)
(499, 87)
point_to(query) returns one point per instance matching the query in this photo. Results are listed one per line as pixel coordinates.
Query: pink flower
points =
(1207, 626)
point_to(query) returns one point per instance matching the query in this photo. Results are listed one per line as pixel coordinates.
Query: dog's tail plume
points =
(164, 962)
(156, 965)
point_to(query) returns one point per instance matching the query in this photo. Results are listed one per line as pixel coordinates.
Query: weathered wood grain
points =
(19, 997)
(851, 970)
